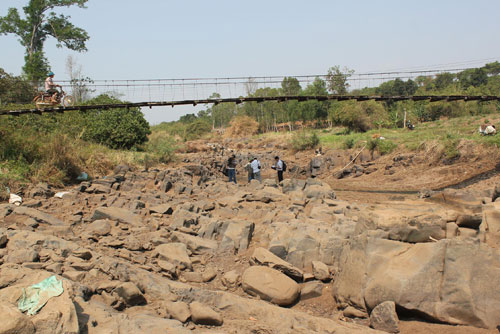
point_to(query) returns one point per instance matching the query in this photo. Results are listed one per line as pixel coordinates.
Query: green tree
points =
(492, 69)
(14, 89)
(290, 86)
(337, 80)
(116, 128)
(39, 23)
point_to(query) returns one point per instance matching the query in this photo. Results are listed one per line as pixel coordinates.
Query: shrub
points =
(116, 128)
(197, 129)
(303, 140)
(348, 143)
(242, 126)
(361, 116)
(450, 150)
(162, 145)
(382, 146)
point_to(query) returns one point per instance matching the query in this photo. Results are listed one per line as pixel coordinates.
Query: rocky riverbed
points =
(180, 250)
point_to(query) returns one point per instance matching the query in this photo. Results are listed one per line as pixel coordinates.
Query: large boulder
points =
(490, 226)
(204, 315)
(14, 322)
(263, 257)
(270, 285)
(195, 244)
(130, 294)
(117, 214)
(237, 234)
(175, 253)
(39, 216)
(384, 317)
(428, 278)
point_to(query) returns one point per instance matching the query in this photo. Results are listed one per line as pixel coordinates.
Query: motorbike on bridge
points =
(59, 98)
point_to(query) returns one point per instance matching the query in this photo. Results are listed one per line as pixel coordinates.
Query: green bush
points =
(450, 150)
(197, 129)
(361, 116)
(162, 146)
(349, 143)
(116, 128)
(303, 140)
(382, 146)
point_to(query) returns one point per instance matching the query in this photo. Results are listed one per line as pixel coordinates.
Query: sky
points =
(154, 39)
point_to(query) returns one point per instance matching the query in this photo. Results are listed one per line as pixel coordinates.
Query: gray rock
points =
(204, 315)
(384, 317)
(165, 209)
(195, 244)
(40, 190)
(451, 230)
(431, 278)
(99, 227)
(20, 256)
(231, 279)
(5, 210)
(352, 312)
(311, 290)
(263, 257)
(184, 218)
(39, 216)
(320, 271)
(117, 214)
(237, 234)
(469, 221)
(3, 240)
(464, 232)
(14, 322)
(270, 285)
(175, 253)
(178, 310)
(130, 294)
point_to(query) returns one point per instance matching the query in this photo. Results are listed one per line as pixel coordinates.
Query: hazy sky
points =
(221, 38)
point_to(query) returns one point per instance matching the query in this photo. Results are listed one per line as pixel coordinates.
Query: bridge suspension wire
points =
(300, 98)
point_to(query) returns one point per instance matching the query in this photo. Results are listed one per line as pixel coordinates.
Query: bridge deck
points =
(431, 98)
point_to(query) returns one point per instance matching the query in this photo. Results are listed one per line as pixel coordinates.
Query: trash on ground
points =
(37, 295)
(83, 177)
(15, 199)
(61, 194)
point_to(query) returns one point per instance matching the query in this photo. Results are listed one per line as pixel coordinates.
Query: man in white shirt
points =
(278, 165)
(256, 169)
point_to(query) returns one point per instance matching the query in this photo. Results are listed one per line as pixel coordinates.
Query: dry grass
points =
(242, 126)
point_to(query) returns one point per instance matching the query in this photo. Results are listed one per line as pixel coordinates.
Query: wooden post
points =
(404, 120)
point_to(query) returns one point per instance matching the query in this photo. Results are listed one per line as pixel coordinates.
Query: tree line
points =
(357, 116)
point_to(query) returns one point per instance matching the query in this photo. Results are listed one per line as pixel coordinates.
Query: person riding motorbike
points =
(50, 87)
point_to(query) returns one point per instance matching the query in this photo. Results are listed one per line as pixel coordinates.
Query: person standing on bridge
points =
(50, 86)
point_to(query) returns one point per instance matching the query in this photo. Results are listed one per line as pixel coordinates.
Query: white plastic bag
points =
(15, 199)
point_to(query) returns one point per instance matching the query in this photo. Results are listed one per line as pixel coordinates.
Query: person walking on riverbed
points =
(256, 169)
(231, 168)
(279, 167)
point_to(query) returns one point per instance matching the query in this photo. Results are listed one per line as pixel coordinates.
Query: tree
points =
(443, 80)
(14, 89)
(39, 23)
(290, 86)
(116, 128)
(79, 84)
(337, 80)
(492, 69)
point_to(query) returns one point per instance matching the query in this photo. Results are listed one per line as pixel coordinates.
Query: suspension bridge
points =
(300, 98)
(149, 93)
